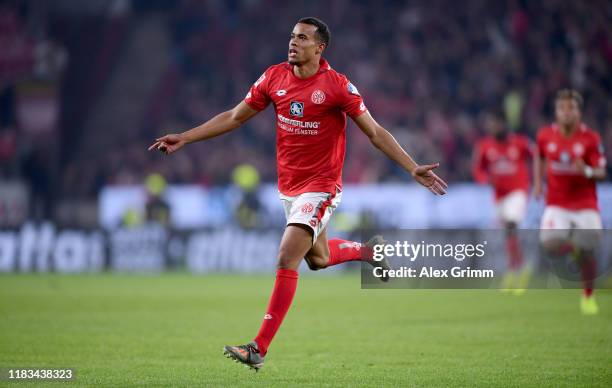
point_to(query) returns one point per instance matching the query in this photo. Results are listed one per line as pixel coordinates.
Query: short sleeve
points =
(595, 153)
(258, 97)
(351, 102)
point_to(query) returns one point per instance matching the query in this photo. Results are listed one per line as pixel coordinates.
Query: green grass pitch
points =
(169, 330)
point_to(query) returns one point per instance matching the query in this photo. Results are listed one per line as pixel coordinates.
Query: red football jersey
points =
(567, 187)
(504, 164)
(310, 125)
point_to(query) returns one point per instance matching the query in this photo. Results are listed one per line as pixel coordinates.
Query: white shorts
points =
(311, 209)
(559, 223)
(512, 206)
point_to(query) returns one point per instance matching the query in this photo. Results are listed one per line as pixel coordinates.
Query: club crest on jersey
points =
(296, 109)
(352, 89)
(564, 157)
(318, 96)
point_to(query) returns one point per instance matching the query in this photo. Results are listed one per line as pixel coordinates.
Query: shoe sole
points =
(384, 264)
(229, 354)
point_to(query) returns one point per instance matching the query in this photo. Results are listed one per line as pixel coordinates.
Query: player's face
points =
(567, 112)
(304, 45)
(493, 125)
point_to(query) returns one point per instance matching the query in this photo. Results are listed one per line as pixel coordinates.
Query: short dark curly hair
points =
(570, 94)
(323, 32)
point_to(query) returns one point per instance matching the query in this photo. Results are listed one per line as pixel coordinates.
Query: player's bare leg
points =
(318, 256)
(558, 247)
(296, 241)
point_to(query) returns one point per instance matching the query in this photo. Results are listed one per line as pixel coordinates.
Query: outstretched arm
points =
(539, 164)
(218, 125)
(384, 141)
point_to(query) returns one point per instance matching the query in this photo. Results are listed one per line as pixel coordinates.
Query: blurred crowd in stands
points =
(427, 72)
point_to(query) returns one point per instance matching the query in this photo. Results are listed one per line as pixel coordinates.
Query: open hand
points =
(168, 144)
(426, 177)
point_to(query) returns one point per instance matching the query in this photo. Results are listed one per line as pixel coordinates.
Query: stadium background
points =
(86, 86)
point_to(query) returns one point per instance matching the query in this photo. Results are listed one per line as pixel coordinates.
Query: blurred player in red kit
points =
(572, 155)
(311, 102)
(502, 159)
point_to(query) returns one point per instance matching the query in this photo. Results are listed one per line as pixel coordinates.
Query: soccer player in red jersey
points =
(573, 157)
(502, 160)
(311, 102)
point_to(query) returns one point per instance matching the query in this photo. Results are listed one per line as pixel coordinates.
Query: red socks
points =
(588, 272)
(280, 301)
(515, 253)
(341, 251)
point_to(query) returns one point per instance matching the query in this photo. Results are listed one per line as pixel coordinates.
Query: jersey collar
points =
(582, 127)
(323, 67)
